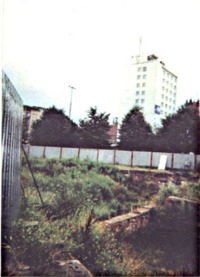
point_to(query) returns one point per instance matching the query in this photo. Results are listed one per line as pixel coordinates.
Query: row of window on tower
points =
(142, 69)
(172, 110)
(167, 91)
(166, 98)
(169, 75)
(168, 84)
(140, 92)
(139, 101)
(140, 77)
(166, 109)
(138, 85)
(166, 106)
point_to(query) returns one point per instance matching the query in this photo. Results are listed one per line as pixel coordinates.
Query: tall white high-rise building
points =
(150, 85)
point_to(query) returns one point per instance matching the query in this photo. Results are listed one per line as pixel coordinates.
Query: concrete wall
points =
(106, 156)
(36, 151)
(52, 152)
(113, 156)
(156, 159)
(123, 157)
(141, 158)
(88, 154)
(181, 160)
(69, 153)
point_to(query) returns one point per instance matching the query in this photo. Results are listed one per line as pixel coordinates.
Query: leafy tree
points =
(54, 129)
(94, 130)
(135, 132)
(181, 131)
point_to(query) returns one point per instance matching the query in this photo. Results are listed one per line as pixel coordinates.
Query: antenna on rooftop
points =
(140, 47)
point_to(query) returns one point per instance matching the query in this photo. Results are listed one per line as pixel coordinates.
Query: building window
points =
(144, 76)
(162, 104)
(174, 94)
(142, 101)
(163, 81)
(165, 105)
(138, 77)
(167, 90)
(163, 88)
(143, 85)
(166, 98)
(138, 85)
(139, 69)
(137, 101)
(174, 102)
(144, 69)
(137, 92)
(143, 92)
(174, 87)
(162, 96)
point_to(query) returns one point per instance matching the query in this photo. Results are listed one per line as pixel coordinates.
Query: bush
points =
(193, 191)
(167, 190)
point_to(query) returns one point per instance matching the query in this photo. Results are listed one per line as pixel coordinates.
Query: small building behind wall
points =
(12, 117)
(30, 115)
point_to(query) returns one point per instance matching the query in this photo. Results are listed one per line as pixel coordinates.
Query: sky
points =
(49, 45)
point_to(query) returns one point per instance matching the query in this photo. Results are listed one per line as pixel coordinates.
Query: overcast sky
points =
(49, 45)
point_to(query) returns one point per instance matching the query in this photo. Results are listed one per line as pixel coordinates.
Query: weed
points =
(169, 189)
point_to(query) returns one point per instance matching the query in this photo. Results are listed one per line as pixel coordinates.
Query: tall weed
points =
(169, 189)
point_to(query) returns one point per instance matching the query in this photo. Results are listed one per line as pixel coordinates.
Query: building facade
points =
(152, 86)
(30, 115)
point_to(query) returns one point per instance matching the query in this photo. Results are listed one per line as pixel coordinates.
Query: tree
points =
(135, 132)
(54, 129)
(94, 130)
(181, 131)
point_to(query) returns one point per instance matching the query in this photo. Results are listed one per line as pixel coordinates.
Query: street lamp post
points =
(70, 105)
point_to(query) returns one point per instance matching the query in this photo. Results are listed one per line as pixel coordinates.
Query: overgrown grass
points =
(68, 184)
(189, 190)
(76, 196)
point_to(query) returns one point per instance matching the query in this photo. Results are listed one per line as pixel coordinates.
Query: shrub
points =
(193, 191)
(167, 190)
(102, 212)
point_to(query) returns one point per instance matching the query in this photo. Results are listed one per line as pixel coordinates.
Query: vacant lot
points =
(77, 196)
